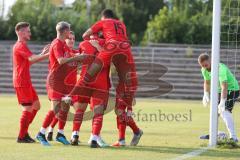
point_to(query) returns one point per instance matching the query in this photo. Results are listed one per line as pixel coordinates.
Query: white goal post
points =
(216, 29)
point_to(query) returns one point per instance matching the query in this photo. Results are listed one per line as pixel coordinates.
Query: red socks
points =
(34, 112)
(121, 125)
(122, 122)
(77, 121)
(24, 123)
(132, 125)
(62, 118)
(54, 122)
(48, 119)
(97, 124)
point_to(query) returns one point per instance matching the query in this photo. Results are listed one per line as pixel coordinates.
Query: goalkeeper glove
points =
(222, 105)
(205, 99)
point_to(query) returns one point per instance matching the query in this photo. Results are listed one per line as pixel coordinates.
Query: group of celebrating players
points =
(104, 43)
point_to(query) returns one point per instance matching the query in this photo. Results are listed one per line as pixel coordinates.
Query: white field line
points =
(191, 154)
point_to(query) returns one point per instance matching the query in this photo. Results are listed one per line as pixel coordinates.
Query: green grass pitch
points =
(162, 139)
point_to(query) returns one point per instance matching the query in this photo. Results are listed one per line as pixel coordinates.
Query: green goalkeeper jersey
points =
(225, 75)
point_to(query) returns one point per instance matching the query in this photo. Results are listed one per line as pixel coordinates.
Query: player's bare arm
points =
(224, 90)
(79, 57)
(95, 44)
(42, 56)
(87, 34)
(206, 86)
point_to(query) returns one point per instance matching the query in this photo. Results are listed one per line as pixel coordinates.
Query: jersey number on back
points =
(118, 28)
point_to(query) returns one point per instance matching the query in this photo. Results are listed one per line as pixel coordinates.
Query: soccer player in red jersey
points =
(98, 98)
(117, 49)
(124, 98)
(71, 79)
(59, 58)
(26, 94)
(117, 44)
(114, 32)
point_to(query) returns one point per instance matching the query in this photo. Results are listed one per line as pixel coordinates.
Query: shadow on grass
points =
(155, 149)
(131, 133)
(228, 153)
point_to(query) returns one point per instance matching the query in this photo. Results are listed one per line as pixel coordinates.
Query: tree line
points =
(154, 21)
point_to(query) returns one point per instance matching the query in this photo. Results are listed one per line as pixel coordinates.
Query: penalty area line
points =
(192, 154)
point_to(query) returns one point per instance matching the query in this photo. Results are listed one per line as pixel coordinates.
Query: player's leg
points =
(227, 114)
(128, 87)
(125, 67)
(98, 105)
(131, 123)
(126, 102)
(103, 59)
(51, 128)
(123, 120)
(136, 131)
(62, 118)
(79, 106)
(98, 111)
(121, 124)
(35, 105)
(23, 136)
(25, 99)
(55, 107)
(34, 109)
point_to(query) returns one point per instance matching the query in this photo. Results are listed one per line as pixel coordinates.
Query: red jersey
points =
(112, 29)
(103, 76)
(56, 91)
(57, 50)
(71, 79)
(21, 65)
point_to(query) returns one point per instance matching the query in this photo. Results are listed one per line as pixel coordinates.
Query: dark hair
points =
(108, 13)
(21, 25)
(203, 57)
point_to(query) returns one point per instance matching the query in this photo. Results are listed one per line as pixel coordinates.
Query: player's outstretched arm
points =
(80, 58)
(95, 44)
(37, 58)
(87, 34)
(206, 96)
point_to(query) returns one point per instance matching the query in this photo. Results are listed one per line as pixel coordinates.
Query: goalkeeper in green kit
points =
(228, 90)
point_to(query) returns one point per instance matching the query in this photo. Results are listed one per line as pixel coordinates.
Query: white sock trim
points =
(60, 131)
(50, 129)
(43, 130)
(95, 137)
(74, 133)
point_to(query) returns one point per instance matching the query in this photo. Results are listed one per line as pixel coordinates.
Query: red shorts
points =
(108, 53)
(26, 95)
(80, 99)
(91, 93)
(53, 95)
(94, 97)
(99, 97)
